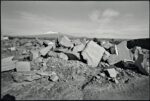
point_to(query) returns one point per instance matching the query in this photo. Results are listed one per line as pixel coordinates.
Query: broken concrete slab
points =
(142, 64)
(92, 53)
(8, 64)
(78, 48)
(23, 66)
(45, 50)
(123, 53)
(65, 41)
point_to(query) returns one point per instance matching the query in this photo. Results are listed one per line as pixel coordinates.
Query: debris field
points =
(73, 69)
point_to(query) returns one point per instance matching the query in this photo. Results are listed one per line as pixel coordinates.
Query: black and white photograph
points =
(75, 50)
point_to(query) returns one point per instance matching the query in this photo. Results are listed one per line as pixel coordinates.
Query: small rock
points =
(106, 55)
(106, 44)
(62, 56)
(112, 72)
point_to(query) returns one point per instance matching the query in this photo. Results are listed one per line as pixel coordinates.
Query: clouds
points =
(103, 17)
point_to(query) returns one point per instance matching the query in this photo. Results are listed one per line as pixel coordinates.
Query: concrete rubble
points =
(45, 50)
(23, 66)
(123, 53)
(93, 53)
(8, 64)
(65, 41)
(35, 62)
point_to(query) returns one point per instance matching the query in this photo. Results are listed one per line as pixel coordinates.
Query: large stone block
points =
(65, 41)
(8, 64)
(78, 48)
(23, 66)
(123, 54)
(93, 53)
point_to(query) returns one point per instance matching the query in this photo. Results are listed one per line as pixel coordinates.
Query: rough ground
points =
(77, 81)
(131, 85)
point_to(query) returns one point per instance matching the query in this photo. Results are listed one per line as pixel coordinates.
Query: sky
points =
(102, 19)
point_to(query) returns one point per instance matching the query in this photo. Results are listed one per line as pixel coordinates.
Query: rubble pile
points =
(76, 62)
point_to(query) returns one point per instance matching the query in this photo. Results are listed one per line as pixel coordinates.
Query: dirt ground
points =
(131, 86)
(77, 81)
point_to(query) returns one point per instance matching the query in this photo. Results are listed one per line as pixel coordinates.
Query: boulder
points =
(23, 66)
(106, 55)
(143, 64)
(45, 50)
(78, 48)
(65, 41)
(123, 53)
(8, 64)
(92, 53)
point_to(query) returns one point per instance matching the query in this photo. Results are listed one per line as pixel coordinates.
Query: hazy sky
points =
(115, 19)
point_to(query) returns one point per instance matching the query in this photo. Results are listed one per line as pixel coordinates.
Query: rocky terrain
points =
(74, 69)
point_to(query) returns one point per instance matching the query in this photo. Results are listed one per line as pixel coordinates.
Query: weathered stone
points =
(93, 53)
(106, 55)
(65, 41)
(23, 66)
(136, 51)
(21, 57)
(123, 53)
(78, 48)
(35, 54)
(25, 76)
(8, 64)
(112, 72)
(63, 56)
(76, 42)
(106, 44)
(142, 64)
(52, 54)
(45, 50)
